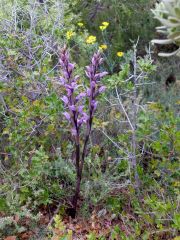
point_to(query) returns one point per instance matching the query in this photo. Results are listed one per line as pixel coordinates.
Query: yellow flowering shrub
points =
(120, 54)
(69, 34)
(103, 47)
(91, 39)
(80, 24)
(104, 26)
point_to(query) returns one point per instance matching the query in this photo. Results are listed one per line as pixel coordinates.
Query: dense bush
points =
(126, 24)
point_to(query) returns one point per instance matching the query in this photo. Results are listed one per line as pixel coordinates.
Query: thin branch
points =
(129, 121)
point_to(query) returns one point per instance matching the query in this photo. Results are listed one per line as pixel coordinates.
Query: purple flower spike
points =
(74, 85)
(85, 117)
(76, 114)
(72, 108)
(67, 116)
(89, 71)
(96, 59)
(101, 89)
(70, 67)
(94, 77)
(94, 104)
(100, 75)
(69, 92)
(74, 132)
(74, 101)
(65, 100)
(80, 109)
(62, 80)
(93, 84)
(88, 92)
(66, 74)
(79, 122)
(80, 96)
(101, 61)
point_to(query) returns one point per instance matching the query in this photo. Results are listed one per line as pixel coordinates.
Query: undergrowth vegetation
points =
(89, 120)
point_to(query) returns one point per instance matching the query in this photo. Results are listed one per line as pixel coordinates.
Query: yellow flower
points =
(120, 54)
(102, 28)
(91, 39)
(70, 34)
(103, 47)
(106, 24)
(80, 24)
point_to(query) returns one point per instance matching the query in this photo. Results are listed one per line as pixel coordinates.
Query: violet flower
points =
(74, 103)
(76, 113)
(95, 87)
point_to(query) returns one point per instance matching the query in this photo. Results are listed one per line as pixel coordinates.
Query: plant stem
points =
(134, 121)
(80, 165)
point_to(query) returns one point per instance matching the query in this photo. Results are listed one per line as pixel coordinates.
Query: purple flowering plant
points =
(77, 114)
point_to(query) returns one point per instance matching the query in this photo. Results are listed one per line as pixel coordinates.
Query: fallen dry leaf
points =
(26, 235)
(10, 238)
